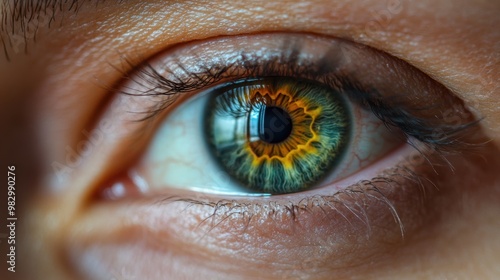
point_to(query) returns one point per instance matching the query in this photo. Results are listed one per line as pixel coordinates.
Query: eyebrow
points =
(21, 20)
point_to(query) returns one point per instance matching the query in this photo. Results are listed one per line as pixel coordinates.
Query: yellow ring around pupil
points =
(299, 143)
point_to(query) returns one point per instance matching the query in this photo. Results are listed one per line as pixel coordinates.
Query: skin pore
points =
(62, 86)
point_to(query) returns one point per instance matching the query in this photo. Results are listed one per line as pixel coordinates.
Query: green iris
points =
(277, 135)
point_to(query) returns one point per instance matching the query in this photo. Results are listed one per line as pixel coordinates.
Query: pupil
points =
(275, 124)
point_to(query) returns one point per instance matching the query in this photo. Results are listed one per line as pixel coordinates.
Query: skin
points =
(457, 236)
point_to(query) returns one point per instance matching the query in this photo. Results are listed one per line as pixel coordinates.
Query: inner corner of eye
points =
(262, 136)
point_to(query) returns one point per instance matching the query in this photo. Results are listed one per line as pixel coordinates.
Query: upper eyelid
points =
(156, 84)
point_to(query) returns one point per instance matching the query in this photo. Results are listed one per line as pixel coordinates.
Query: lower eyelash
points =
(350, 203)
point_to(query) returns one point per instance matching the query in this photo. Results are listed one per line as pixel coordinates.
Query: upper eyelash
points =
(434, 132)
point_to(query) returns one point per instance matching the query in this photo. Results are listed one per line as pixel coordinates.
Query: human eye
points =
(252, 140)
(385, 146)
(317, 97)
(304, 85)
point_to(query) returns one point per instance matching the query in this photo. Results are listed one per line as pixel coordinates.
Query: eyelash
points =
(430, 145)
(223, 209)
(393, 115)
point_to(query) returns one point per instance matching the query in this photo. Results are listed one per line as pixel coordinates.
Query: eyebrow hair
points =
(20, 20)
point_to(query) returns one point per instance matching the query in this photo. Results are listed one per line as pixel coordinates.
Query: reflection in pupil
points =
(275, 124)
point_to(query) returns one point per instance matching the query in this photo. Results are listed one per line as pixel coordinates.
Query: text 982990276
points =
(11, 218)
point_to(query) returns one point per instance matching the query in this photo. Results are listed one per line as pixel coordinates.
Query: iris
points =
(277, 135)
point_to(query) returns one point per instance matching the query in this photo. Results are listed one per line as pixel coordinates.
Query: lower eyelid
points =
(385, 210)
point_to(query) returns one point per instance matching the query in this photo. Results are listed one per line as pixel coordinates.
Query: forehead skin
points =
(455, 42)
